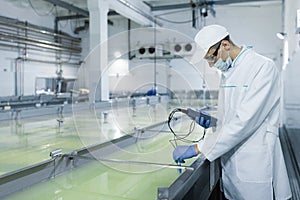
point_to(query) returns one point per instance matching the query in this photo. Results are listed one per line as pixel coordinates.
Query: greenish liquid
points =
(104, 180)
(99, 182)
(31, 142)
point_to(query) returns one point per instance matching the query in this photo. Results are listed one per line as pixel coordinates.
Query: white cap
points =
(210, 35)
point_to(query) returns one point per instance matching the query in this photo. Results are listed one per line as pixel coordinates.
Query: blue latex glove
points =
(183, 152)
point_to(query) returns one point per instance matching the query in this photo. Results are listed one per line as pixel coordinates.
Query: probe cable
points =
(182, 138)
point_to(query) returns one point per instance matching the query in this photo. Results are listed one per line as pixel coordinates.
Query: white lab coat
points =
(247, 134)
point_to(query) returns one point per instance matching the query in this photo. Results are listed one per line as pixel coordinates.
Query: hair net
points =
(210, 35)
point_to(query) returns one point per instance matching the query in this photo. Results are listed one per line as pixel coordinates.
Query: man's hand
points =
(184, 152)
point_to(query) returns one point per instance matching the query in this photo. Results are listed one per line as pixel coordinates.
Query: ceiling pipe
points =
(9, 34)
(37, 30)
(60, 18)
(8, 37)
(199, 4)
(49, 62)
(84, 13)
(140, 12)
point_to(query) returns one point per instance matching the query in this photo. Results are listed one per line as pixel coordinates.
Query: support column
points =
(98, 57)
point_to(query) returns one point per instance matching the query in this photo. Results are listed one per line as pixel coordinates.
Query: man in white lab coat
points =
(246, 138)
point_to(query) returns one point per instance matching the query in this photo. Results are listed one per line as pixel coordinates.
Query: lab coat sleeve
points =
(262, 96)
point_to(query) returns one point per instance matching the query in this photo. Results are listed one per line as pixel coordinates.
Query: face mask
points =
(223, 65)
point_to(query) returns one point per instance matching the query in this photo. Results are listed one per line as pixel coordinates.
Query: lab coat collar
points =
(240, 56)
(237, 60)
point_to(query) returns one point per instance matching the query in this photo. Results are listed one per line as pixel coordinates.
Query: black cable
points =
(182, 138)
(193, 20)
(172, 12)
(39, 14)
(171, 117)
(178, 22)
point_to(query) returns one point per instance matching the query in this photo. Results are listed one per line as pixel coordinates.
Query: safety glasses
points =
(212, 57)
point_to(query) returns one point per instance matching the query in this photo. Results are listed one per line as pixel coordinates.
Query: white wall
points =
(291, 81)
(256, 26)
(30, 70)
(250, 25)
(291, 93)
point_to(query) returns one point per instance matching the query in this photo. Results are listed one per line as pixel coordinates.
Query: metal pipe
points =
(14, 38)
(16, 77)
(17, 46)
(198, 4)
(34, 44)
(48, 62)
(135, 9)
(61, 18)
(10, 35)
(19, 80)
(39, 31)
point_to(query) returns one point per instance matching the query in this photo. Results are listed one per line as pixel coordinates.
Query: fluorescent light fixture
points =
(298, 21)
(285, 55)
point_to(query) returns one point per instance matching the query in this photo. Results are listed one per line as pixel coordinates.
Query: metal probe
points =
(72, 155)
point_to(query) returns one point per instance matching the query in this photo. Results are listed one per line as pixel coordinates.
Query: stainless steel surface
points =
(196, 184)
(290, 139)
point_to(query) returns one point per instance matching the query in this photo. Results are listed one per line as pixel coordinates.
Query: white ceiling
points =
(43, 7)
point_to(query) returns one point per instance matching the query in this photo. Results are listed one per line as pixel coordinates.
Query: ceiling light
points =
(281, 35)
(117, 54)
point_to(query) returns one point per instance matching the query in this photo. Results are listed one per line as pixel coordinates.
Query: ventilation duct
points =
(183, 49)
(149, 51)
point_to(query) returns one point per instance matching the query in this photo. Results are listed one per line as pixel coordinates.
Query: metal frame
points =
(196, 184)
(292, 164)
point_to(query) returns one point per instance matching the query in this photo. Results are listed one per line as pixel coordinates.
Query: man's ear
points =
(226, 45)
